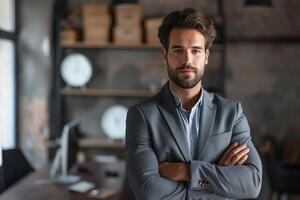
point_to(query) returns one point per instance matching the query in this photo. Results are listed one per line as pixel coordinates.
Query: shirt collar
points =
(178, 100)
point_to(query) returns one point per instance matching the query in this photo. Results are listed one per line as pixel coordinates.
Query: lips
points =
(186, 70)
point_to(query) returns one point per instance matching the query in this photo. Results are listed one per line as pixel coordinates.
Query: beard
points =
(181, 81)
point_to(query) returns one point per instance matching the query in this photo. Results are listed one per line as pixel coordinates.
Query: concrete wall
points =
(265, 78)
(34, 78)
(280, 19)
(264, 75)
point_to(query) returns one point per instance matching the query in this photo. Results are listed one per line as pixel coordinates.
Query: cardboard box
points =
(153, 22)
(96, 21)
(94, 9)
(151, 37)
(127, 35)
(128, 14)
(151, 28)
(96, 35)
(68, 36)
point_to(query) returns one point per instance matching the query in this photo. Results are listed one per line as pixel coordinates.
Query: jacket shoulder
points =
(224, 103)
(147, 104)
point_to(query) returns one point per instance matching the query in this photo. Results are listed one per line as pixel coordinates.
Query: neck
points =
(188, 96)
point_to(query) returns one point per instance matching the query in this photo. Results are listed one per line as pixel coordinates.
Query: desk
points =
(27, 189)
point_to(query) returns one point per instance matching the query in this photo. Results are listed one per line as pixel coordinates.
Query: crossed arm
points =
(236, 154)
(236, 175)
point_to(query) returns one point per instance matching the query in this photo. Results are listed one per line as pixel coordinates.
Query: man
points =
(186, 143)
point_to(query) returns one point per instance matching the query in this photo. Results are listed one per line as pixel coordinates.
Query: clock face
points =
(76, 70)
(113, 121)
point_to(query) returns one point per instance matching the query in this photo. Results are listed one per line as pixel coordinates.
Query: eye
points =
(177, 51)
(196, 51)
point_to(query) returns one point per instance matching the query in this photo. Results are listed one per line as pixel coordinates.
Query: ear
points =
(206, 56)
(164, 53)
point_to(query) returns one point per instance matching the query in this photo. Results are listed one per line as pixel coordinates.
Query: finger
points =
(231, 152)
(237, 149)
(227, 152)
(231, 147)
(163, 166)
(239, 155)
(242, 160)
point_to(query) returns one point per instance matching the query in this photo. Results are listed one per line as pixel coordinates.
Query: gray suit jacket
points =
(154, 135)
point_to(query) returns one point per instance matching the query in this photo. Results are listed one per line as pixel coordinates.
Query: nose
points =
(187, 58)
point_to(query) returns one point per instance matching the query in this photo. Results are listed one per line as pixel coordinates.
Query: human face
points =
(186, 57)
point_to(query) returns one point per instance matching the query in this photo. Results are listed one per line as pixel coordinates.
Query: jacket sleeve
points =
(239, 181)
(142, 165)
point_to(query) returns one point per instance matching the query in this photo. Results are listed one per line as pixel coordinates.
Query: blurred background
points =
(90, 60)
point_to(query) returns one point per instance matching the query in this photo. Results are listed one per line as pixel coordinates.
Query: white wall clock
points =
(76, 70)
(113, 121)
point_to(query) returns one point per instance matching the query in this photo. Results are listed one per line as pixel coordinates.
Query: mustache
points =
(186, 66)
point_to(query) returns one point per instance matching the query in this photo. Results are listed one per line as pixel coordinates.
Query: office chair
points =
(283, 179)
(15, 166)
(1, 180)
(126, 191)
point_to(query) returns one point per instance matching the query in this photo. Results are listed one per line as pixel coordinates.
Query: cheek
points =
(173, 60)
(201, 60)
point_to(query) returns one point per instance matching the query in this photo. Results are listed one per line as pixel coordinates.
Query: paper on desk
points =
(101, 193)
(82, 186)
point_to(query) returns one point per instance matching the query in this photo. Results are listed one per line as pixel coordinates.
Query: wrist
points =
(187, 172)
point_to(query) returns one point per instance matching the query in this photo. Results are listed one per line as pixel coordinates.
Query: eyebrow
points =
(179, 46)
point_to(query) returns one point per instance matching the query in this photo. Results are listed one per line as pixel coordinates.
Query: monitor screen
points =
(73, 146)
(66, 154)
(69, 146)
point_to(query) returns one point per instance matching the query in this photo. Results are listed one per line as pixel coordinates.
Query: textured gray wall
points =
(281, 19)
(35, 78)
(264, 76)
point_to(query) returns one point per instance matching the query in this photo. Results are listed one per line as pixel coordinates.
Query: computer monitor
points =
(66, 154)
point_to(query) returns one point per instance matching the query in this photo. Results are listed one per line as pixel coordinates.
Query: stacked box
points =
(96, 22)
(128, 14)
(68, 36)
(127, 35)
(151, 27)
(128, 19)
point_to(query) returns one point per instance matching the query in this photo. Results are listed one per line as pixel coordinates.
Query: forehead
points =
(186, 37)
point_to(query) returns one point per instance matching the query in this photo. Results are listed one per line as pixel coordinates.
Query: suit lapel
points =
(168, 110)
(206, 123)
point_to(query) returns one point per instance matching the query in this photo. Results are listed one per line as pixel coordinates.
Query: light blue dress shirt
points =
(190, 121)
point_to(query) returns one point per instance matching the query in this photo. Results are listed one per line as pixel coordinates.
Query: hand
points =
(175, 171)
(236, 154)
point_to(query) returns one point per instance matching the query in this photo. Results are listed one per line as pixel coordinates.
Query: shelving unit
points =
(85, 45)
(106, 92)
(104, 144)
(110, 46)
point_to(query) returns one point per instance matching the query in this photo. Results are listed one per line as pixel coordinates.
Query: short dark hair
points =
(187, 18)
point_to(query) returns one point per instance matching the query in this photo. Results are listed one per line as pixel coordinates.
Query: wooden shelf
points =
(97, 143)
(106, 92)
(86, 45)
(259, 39)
